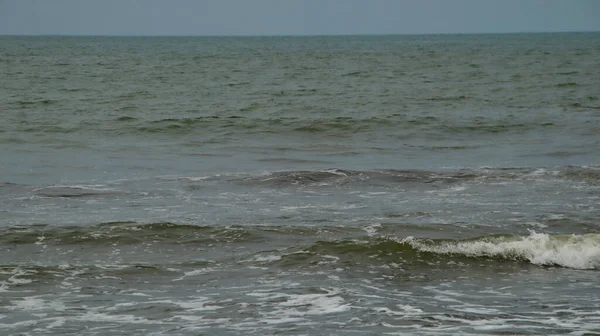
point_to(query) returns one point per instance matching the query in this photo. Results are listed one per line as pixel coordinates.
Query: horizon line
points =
(298, 35)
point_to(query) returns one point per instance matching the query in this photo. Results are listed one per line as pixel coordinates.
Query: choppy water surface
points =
(395, 185)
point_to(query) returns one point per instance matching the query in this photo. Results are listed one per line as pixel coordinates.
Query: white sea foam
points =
(328, 259)
(316, 304)
(296, 307)
(80, 187)
(194, 273)
(124, 319)
(14, 279)
(76, 186)
(197, 304)
(574, 251)
(266, 258)
(37, 303)
(299, 207)
(372, 229)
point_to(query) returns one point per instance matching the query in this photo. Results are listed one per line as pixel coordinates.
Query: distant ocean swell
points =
(384, 179)
(323, 127)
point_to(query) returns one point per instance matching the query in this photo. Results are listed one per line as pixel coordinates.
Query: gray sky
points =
(294, 17)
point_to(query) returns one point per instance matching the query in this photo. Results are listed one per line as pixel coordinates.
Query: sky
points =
(294, 17)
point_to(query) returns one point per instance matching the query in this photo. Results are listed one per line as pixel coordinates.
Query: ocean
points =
(325, 185)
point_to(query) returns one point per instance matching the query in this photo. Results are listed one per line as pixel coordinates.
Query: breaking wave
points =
(569, 251)
(572, 251)
(577, 251)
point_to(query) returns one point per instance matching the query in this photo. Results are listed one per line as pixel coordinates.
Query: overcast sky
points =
(294, 17)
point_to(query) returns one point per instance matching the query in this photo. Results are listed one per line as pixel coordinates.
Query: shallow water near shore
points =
(373, 185)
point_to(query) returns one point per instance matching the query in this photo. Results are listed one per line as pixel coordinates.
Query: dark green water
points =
(376, 185)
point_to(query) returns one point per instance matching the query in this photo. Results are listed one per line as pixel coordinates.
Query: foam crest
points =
(574, 251)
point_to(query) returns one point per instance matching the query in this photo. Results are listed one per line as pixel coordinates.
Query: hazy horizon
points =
(303, 18)
(313, 35)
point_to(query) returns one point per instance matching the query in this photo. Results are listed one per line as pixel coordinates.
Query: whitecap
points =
(574, 251)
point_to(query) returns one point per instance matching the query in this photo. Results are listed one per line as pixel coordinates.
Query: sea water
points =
(347, 185)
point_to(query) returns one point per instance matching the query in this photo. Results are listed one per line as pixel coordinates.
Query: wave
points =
(132, 233)
(342, 177)
(217, 124)
(344, 126)
(36, 102)
(333, 177)
(450, 98)
(412, 177)
(568, 84)
(587, 174)
(22, 275)
(572, 251)
(577, 251)
(75, 192)
(123, 233)
(397, 125)
(581, 173)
